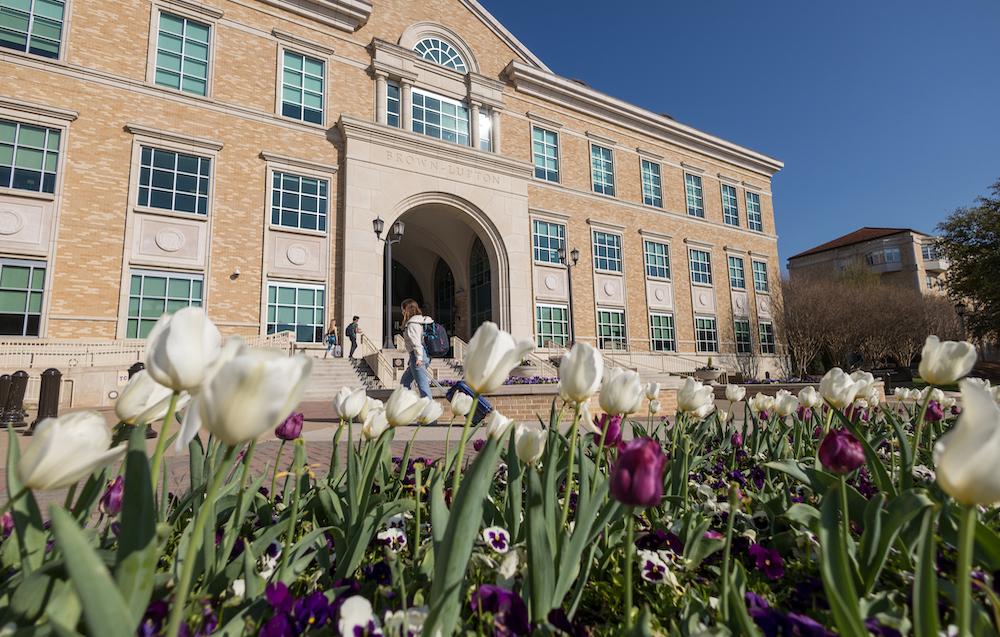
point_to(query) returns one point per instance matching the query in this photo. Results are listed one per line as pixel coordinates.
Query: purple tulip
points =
(510, 614)
(111, 501)
(934, 412)
(804, 413)
(840, 451)
(956, 410)
(612, 426)
(291, 428)
(7, 523)
(637, 477)
(768, 561)
(736, 440)
(477, 445)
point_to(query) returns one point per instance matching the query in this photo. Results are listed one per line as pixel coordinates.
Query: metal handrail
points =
(384, 371)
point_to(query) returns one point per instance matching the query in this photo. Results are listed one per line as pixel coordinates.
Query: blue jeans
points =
(331, 342)
(419, 374)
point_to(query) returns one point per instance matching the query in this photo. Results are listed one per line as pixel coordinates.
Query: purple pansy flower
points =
(510, 614)
(768, 561)
(497, 538)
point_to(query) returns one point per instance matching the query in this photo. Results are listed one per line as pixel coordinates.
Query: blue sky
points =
(885, 112)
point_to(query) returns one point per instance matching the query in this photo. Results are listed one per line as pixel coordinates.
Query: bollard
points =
(13, 413)
(132, 371)
(4, 392)
(48, 398)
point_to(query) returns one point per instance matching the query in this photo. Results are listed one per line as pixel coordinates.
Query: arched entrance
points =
(480, 301)
(444, 296)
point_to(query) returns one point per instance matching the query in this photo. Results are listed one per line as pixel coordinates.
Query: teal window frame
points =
(303, 87)
(440, 52)
(551, 324)
(706, 334)
(611, 329)
(602, 169)
(22, 296)
(656, 255)
(737, 273)
(29, 156)
(183, 54)
(767, 341)
(652, 183)
(694, 193)
(662, 336)
(147, 302)
(299, 201)
(730, 205)
(546, 239)
(545, 153)
(298, 307)
(393, 105)
(700, 264)
(182, 178)
(33, 26)
(607, 251)
(760, 282)
(741, 331)
(755, 221)
(439, 117)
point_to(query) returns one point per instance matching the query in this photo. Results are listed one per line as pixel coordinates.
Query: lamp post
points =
(960, 309)
(395, 235)
(574, 254)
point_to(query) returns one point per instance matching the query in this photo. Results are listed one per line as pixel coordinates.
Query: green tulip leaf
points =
(925, 595)
(31, 537)
(138, 549)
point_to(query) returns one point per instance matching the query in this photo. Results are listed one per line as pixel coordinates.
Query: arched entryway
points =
(480, 301)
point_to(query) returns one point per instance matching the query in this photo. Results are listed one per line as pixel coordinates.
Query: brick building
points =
(235, 154)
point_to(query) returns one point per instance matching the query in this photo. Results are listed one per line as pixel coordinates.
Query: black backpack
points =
(436, 341)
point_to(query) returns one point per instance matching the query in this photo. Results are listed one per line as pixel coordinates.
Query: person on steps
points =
(331, 339)
(352, 333)
(413, 340)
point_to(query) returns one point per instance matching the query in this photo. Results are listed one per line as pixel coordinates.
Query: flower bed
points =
(821, 515)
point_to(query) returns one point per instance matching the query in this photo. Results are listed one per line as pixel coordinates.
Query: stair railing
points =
(384, 371)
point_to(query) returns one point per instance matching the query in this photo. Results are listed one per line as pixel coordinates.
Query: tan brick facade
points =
(101, 91)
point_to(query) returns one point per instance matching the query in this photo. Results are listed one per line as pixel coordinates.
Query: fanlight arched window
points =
(439, 51)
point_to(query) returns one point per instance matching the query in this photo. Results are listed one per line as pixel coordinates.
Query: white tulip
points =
(430, 413)
(785, 403)
(490, 356)
(408, 622)
(144, 400)
(947, 403)
(943, 363)
(249, 395)
(580, 373)
(181, 347)
(809, 397)
(622, 392)
(901, 393)
(371, 405)
(652, 391)
(866, 380)
(873, 396)
(403, 407)
(965, 458)
(735, 393)
(497, 424)
(356, 617)
(723, 416)
(66, 449)
(529, 443)
(838, 388)
(935, 394)
(654, 406)
(375, 425)
(761, 402)
(349, 403)
(461, 404)
(695, 398)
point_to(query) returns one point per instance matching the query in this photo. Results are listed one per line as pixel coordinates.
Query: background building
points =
(900, 256)
(235, 153)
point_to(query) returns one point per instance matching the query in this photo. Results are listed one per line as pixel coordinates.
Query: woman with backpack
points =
(414, 323)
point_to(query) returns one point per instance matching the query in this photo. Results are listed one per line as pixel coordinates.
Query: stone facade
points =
(94, 233)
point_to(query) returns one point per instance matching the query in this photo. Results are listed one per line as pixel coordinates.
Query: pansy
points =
(356, 618)
(394, 539)
(652, 568)
(768, 561)
(408, 623)
(311, 611)
(279, 597)
(497, 538)
(510, 613)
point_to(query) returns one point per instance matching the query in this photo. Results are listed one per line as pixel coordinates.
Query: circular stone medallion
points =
(10, 222)
(169, 240)
(297, 254)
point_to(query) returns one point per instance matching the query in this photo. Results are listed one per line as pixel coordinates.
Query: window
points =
(695, 199)
(547, 238)
(174, 181)
(610, 329)
(741, 328)
(737, 278)
(602, 169)
(657, 259)
(929, 252)
(551, 325)
(485, 131)
(440, 117)
(297, 308)
(29, 156)
(879, 257)
(302, 83)
(34, 26)
(754, 220)
(439, 51)
(22, 284)
(153, 294)
(392, 105)
(767, 338)
(607, 251)
(661, 333)
(760, 276)
(700, 262)
(730, 207)
(934, 282)
(545, 151)
(706, 336)
(182, 54)
(652, 187)
(298, 202)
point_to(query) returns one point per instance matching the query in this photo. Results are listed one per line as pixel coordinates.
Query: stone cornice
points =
(176, 138)
(554, 88)
(296, 41)
(40, 110)
(204, 10)
(354, 128)
(346, 15)
(295, 161)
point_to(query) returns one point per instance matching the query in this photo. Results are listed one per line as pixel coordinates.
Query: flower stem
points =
(9, 503)
(418, 486)
(161, 443)
(629, 556)
(727, 552)
(918, 434)
(600, 456)
(335, 454)
(194, 543)
(569, 465)
(966, 538)
(845, 513)
(297, 472)
(457, 480)
(274, 474)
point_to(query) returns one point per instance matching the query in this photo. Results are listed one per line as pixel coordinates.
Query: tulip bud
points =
(934, 393)
(695, 398)
(934, 412)
(737, 439)
(143, 400)
(838, 388)
(349, 403)
(652, 391)
(490, 356)
(965, 458)
(181, 347)
(529, 443)
(375, 425)
(735, 393)
(723, 416)
(865, 380)
(622, 392)
(809, 397)
(580, 373)
(840, 451)
(654, 406)
(66, 449)
(291, 427)
(497, 425)
(461, 404)
(943, 363)
(111, 501)
(430, 413)
(784, 403)
(761, 403)
(611, 426)
(403, 407)
(637, 476)
(371, 405)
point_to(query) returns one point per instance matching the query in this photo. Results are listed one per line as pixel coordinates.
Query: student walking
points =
(413, 339)
(352, 334)
(331, 339)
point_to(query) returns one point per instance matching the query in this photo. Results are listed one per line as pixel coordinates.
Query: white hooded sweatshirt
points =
(413, 335)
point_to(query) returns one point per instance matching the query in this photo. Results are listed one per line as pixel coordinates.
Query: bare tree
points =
(801, 310)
